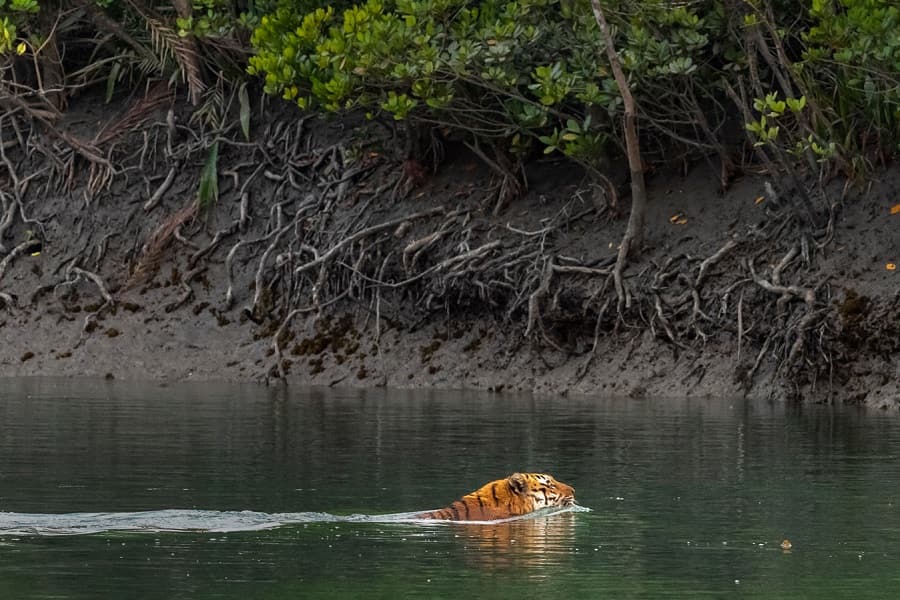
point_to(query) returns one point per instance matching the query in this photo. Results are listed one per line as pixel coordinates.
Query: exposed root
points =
(96, 279)
(23, 248)
(7, 301)
(186, 292)
(319, 234)
(161, 190)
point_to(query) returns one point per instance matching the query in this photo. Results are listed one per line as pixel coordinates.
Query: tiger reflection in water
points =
(538, 541)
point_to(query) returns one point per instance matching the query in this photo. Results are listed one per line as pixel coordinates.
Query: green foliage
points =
(853, 49)
(519, 72)
(133, 40)
(12, 14)
(217, 18)
(514, 74)
(521, 77)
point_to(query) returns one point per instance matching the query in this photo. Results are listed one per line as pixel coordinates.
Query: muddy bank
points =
(327, 260)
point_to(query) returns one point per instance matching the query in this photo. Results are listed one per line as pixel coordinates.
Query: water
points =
(111, 490)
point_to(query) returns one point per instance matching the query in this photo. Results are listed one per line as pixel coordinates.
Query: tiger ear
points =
(517, 483)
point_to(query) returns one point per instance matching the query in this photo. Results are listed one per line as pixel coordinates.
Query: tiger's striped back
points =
(518, 494)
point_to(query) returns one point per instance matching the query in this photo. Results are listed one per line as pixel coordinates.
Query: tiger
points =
(518, 494)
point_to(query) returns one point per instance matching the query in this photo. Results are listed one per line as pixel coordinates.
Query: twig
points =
(740, 326)
(229, 261)
(534, 311)
(712, 260)
(160, 191)
(26, 246)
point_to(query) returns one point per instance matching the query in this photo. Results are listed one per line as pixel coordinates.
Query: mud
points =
(170, 318)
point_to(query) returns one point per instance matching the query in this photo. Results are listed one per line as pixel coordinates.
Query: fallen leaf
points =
(891, 267)
(759, 200)
(786, 544)
(895, 209)
(36, 253)
(674, 218)
(681, 222)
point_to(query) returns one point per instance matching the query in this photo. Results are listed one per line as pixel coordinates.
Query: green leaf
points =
(111, 81)
(208, 192)
(796, 105)
(244, 100)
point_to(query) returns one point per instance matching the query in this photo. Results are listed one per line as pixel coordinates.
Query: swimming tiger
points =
(518, 494)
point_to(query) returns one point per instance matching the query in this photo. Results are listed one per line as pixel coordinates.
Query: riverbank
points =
(326, 260)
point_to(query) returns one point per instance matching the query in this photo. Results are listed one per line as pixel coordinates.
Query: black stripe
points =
(455, 510)
(481, 504)
(466, 505)
(494, 493)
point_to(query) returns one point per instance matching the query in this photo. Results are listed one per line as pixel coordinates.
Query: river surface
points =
(126, 490)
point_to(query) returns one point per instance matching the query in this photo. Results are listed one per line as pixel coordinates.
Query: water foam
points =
(177, 520)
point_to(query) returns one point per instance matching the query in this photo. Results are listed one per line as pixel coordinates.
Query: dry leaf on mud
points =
(677, 219)
(890, 267)
(895, 209)
(759, 200)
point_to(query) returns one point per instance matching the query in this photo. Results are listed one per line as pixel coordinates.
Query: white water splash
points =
(175, 520)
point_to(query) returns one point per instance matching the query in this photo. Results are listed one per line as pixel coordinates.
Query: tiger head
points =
(541, 490)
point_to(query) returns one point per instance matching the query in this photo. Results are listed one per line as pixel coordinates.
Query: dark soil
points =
(732, 295)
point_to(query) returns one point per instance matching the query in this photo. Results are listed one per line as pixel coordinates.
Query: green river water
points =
(136, 490)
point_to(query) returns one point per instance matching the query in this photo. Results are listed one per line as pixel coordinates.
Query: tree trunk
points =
(51, 75)
(634, 233)
(190, 58)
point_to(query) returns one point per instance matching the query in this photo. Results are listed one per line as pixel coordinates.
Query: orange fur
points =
(518, 494)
